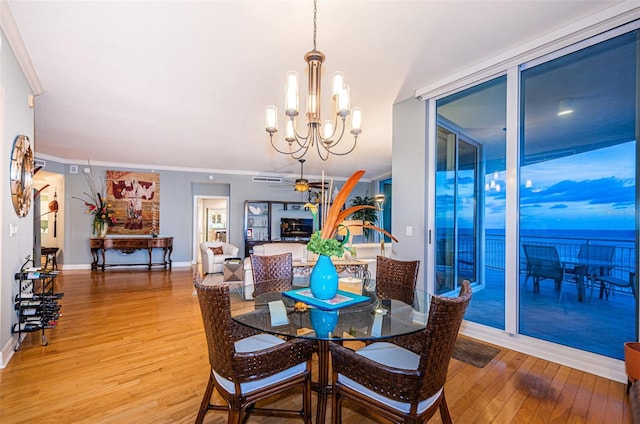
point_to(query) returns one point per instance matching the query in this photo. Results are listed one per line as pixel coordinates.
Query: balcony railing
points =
(568, 247)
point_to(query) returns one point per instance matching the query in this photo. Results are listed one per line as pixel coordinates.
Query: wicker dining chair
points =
(272, 273)
(248, 366)
(403, 379)
(396, 279)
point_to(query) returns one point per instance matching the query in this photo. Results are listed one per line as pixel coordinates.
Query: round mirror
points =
(21, 175)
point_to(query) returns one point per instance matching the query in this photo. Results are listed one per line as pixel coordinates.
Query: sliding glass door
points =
(470, 197)
(578, 205)
(456, 212)
(566, 185)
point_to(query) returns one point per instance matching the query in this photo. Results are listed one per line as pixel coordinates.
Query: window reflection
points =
(577, 190)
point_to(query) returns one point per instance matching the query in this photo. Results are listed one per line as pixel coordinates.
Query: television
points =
(296, 228)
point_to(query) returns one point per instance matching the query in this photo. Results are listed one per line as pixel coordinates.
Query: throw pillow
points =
(217, 250)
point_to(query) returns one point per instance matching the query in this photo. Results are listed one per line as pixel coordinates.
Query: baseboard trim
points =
(79, 267)
(603, 366)
(7, 351)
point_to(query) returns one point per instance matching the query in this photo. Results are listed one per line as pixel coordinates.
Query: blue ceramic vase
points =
(323, 322)
(324, 279)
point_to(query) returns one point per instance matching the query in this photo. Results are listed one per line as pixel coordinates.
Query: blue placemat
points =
(341, 299)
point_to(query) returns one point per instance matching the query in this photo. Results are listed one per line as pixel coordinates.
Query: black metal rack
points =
(36, 302)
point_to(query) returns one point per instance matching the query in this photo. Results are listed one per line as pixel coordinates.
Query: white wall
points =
(409, 207)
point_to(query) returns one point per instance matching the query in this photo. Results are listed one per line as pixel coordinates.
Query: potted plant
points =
(367, 215)
(96, 205)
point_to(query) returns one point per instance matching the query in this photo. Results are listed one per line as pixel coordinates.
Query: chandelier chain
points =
(315, 25)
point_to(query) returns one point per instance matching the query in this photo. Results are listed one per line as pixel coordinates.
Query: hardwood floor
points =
(130, 348)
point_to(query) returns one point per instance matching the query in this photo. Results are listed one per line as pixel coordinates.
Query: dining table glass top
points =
(372, 318)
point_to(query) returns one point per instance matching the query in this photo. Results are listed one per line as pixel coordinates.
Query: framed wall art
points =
(135, 199)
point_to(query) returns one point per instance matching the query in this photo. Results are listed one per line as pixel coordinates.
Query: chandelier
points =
(325, 136)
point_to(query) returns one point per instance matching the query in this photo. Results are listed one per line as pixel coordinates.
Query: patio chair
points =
(608, 283)
(272, 273)
(596, 252)
(543, 262)
(402, 379)
(248, 366)
(593, 253)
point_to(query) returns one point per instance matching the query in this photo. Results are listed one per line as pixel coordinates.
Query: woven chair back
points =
(215, 307)
(272, 273)
(445, 318)
(396, 279)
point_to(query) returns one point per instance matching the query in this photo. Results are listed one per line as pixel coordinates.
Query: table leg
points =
(94, 256)
(103, 258)
(580, 276)
(322, 387)
(165, 257)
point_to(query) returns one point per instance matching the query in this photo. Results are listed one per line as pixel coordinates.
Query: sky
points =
(591, 190)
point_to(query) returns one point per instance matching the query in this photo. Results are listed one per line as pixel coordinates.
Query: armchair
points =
(212, 262)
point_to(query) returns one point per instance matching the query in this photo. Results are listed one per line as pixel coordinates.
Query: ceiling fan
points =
(302, 184)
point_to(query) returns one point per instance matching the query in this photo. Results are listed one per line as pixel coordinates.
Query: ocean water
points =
(626, 235)
(597, 234)
(567, 242)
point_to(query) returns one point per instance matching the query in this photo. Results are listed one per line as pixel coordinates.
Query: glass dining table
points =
(365, 317)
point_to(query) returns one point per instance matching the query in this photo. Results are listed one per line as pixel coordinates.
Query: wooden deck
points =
(130, 349)
(600, 326)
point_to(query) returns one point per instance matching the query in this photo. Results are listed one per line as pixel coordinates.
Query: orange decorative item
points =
(632, 362)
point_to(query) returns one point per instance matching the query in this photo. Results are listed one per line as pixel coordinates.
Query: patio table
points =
(584, 269)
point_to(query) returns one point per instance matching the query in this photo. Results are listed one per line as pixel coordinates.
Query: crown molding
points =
(154, 168)
(13, 36)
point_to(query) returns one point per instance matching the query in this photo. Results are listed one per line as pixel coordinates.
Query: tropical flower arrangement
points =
(95, 202)
(323, 241)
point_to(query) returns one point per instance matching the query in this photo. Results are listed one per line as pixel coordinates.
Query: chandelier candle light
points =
(327, 139)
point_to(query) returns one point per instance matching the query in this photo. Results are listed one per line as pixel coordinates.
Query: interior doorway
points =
(210, 223)
(48, 209)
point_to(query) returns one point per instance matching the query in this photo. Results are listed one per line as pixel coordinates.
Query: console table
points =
(359, 268)
(128, 245)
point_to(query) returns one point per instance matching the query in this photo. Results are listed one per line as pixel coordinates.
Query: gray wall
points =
(177, 189)
(17, 118)
(409, 182)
